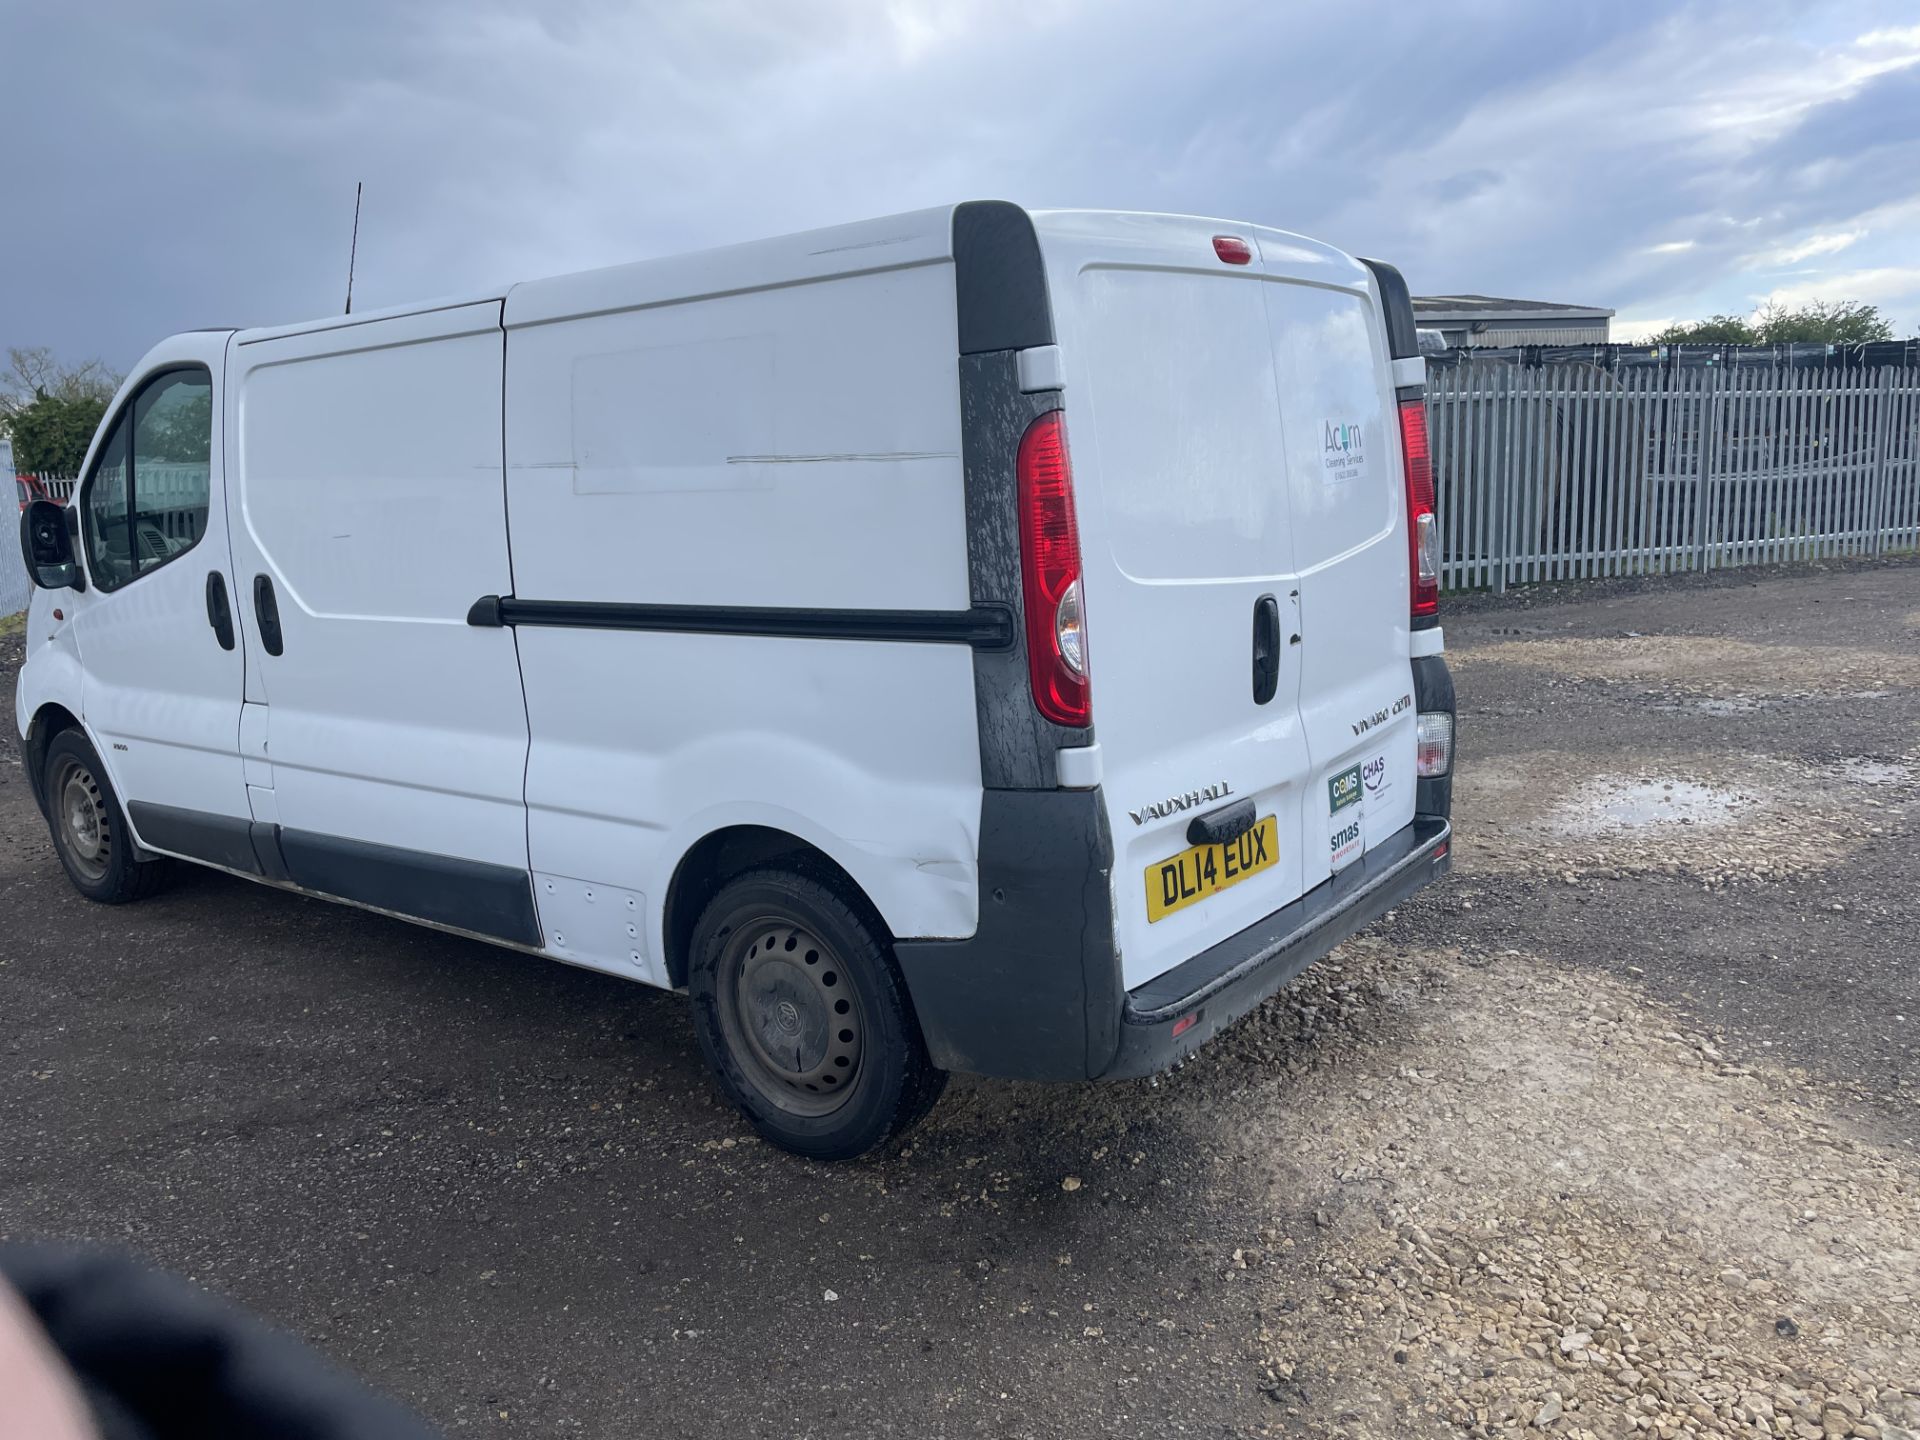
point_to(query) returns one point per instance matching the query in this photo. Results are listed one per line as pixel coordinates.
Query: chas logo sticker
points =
(1373, 775)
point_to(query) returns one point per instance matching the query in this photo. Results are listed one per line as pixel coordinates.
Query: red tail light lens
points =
(1050, 575)
(1423, 532)
(1232, 249)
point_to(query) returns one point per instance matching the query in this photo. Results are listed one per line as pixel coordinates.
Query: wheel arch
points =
(48, 721)
(723, 855)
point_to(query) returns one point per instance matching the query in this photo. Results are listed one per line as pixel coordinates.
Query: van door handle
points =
(219, 613)
(1266, 649)
(266, 614)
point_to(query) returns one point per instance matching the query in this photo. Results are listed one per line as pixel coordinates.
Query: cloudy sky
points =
(193, 163)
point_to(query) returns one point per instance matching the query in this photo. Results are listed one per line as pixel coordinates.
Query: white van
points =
(971, 640)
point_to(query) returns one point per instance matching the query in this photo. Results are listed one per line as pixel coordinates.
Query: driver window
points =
(146, 500)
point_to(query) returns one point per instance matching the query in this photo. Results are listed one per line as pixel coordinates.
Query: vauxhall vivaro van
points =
(972, 640)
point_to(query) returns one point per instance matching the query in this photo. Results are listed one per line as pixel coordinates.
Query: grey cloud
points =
(195, 165)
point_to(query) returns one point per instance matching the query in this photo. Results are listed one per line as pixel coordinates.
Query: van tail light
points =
(1433, 743)
(1050, 575)
(1423, 530)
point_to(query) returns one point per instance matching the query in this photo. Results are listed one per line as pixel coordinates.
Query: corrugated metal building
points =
(1468, 321)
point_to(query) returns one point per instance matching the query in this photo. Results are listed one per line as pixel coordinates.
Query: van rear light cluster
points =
(1423, 532)
(1433, 744)
(1050, 575)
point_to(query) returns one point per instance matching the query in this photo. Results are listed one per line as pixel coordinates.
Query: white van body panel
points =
(771, 425)
(367, 486)
(796, 735)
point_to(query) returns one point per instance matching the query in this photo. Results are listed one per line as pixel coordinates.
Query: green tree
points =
(1719, 330)
(51, 410)
(51, 434)
(1822, 322)
(179, 429)
(1828, 322)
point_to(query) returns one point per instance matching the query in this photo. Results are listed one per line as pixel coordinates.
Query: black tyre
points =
(803, 1016)
(90, 829)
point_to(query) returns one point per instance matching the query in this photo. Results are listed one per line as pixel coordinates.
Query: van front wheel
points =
(803, 1016)
(89, 827)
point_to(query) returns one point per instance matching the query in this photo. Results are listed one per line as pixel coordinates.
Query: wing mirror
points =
(46, 544)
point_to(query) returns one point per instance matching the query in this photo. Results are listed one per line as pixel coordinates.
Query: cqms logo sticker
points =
(1373, 775)
(1344, 789)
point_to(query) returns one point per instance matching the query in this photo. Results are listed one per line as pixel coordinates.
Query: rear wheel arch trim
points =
(726, 852)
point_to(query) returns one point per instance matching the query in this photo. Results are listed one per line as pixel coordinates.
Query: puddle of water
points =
(1720, 707)
(1603, 806)
(1860, 771)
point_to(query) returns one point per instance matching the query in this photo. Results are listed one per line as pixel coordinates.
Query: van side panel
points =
(790, 448)
(798, 446)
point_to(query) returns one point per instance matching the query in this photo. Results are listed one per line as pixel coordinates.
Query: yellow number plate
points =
(1191, 876)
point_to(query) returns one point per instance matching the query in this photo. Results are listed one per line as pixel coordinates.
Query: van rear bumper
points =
(1036, 992)
(1221, 984)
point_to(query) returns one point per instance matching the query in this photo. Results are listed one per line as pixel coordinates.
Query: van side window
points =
(146, 501)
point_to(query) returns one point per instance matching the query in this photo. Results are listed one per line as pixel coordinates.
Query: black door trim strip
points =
(984, 627)
(469, 895)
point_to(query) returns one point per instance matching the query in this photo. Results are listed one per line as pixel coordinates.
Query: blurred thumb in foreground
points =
(95, 1347)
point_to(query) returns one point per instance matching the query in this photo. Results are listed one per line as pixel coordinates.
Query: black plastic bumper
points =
(1221, 984)
(1036, 992)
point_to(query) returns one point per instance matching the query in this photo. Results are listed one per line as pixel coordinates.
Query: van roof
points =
(890, 242)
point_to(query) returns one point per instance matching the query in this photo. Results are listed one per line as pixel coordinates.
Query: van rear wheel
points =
(802, 1014)
(90, 831)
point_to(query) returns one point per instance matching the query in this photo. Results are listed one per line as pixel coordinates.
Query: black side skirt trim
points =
(491, 900)
(494, 900)
(984, 627)
(223, 840)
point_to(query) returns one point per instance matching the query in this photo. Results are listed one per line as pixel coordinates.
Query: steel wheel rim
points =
(790, 1015)
(86, 829)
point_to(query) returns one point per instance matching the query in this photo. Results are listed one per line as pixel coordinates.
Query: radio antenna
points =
(353, 250)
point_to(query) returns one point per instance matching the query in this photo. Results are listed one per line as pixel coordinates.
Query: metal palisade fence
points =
(1573, 471)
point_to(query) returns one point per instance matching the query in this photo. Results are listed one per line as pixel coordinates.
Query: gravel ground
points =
(1614, 1134)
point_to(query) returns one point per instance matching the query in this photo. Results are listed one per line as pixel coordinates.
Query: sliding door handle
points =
(266, 615)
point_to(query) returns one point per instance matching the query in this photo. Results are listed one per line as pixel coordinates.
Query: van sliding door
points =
(390, 736)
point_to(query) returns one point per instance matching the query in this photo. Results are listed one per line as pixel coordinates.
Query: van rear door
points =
(1347, 481)
(1201, 392)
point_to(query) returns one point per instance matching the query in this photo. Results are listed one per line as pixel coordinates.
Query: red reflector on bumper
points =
(1441, 853)
(1184, 1024)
